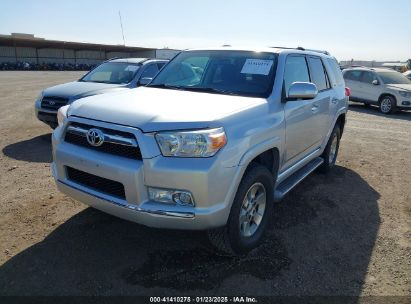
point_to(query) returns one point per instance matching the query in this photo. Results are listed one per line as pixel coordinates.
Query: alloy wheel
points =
(252, 209)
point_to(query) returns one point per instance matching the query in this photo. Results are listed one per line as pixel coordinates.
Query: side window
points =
(347, 75)
(368, 77)
(318, 76)
(296, 70)
(353, 75)
(150, 71)
(160, 65)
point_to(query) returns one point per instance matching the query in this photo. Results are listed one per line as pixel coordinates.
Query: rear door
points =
(353, 81)
(321, 103)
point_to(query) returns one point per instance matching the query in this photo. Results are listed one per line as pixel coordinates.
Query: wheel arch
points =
(387, 94)
(269, 159)
(341, 122)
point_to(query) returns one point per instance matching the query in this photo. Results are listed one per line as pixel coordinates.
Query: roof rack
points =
(110, 59)
(282, 47)
(300, 48)
(311, 50)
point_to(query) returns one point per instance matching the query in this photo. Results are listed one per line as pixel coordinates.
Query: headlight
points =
(202, 143)
(62, 115)
(405, 94)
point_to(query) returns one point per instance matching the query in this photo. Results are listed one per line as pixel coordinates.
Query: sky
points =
(348, 29)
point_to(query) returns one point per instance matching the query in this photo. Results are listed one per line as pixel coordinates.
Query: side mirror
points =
(302, 90)
(145, 81)
(375, 82)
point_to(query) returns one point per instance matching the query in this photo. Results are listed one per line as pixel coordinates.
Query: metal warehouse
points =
(28, 48)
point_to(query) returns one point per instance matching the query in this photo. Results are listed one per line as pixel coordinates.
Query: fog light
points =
(167, 196)
(183, 198)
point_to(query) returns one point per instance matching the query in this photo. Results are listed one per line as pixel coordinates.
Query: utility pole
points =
(122, 31)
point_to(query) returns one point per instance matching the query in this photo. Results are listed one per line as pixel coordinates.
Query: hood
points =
(406, 87)
(153, 109)
(79, 89)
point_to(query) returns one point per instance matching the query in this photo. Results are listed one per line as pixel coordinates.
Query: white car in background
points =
(388, 89)
(407, 74)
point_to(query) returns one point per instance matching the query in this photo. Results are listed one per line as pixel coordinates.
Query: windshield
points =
(393, 78)
(112, 72)
(223, 72)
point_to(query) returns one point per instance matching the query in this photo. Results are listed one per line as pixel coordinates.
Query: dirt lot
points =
(346, 233)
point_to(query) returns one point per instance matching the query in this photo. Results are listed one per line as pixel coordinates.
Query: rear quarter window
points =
(335, 68)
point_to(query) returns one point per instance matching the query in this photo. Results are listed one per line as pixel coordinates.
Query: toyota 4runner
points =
(210, 144)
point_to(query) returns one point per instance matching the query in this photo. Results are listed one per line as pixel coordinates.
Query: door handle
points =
(314, 108)
(334, 100)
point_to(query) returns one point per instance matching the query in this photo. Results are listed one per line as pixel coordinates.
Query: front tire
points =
(331, 150)
(250, 213)
(387, 105)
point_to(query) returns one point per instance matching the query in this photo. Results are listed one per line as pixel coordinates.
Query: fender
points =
(245, 160)
(259, 148)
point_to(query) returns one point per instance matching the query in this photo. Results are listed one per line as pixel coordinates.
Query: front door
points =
(369, 91)
(302, 116)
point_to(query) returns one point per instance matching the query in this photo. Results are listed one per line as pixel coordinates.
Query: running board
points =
(292, 181)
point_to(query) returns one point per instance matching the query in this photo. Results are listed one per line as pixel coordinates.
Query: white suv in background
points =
(388, 89)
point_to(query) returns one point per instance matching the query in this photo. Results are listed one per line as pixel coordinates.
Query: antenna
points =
(122, 31)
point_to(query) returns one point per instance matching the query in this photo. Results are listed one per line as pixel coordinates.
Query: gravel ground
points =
(345, 233)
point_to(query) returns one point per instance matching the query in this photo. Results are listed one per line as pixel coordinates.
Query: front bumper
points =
(45, 115)
(405, 104)
(212, 186)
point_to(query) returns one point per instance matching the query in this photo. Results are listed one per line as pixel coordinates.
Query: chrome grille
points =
(53, 103)
(118, 143)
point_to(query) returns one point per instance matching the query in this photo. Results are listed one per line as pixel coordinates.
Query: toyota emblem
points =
(95, 137)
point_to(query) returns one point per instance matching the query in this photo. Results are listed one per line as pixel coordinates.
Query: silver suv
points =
(388, 89)
(209, 144)
(112, 75)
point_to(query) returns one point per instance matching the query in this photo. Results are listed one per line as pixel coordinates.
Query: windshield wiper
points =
(196, 89)
(166, 86)
(210, 90)
(98, 81)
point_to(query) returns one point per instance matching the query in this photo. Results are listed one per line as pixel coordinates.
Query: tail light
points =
(347, 92)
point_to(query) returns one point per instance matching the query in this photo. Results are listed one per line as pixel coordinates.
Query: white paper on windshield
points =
(257, 66)
(131, 68)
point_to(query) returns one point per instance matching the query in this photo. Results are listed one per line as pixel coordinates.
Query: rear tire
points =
(252, 207)
(387, 104)
(331, 150)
